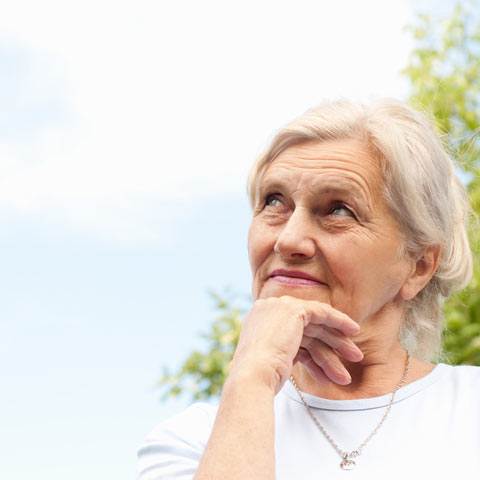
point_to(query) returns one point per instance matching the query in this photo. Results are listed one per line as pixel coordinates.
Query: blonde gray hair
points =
(420, 186)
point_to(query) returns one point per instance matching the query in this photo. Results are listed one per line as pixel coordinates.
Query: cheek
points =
(354, 272)
(259, 245)
(251, 245)
(368, 279)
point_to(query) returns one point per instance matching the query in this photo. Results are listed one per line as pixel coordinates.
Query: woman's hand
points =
(279, 331)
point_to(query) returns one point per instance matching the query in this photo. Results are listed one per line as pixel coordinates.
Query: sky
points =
(126, 133)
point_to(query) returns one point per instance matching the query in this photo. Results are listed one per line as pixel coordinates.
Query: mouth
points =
(295, 278)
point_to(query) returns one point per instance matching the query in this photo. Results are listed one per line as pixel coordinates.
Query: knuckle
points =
(285, 299)
(304, 316)
(326, 308)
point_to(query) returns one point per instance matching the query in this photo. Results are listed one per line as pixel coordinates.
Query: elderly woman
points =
(357, 237)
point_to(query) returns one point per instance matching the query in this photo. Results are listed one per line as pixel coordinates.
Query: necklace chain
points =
(347, 463)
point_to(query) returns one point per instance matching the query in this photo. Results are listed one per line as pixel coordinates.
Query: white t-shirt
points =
(432, 431)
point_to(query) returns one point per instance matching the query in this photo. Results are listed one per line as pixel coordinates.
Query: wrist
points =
(254, 377)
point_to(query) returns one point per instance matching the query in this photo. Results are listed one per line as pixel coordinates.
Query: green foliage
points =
(461, 337)
(444, 74)
(444, 71)
(203, 373)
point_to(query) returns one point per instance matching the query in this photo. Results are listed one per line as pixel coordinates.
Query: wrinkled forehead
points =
(343, 164)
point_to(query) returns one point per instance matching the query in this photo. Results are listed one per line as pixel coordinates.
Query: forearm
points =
(241, 445)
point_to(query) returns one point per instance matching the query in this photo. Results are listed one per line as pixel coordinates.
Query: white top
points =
(433, 429)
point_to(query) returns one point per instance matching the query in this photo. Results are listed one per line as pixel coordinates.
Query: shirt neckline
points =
(368, 403)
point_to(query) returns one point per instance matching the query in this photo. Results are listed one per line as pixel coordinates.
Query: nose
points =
(296, 240)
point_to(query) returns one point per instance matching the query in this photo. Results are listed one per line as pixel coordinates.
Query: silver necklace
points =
(347, 463)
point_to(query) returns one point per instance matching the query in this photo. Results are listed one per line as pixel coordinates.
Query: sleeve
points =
(174, 449)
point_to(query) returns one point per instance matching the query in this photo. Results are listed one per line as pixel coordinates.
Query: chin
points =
(305, 293)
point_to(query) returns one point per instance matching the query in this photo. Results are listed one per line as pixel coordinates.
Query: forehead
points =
(339, 164)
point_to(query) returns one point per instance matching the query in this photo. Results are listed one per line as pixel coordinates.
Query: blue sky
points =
(126, 134)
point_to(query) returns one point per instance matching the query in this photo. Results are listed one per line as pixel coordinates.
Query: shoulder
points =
(192, 422)
(468, 374)
(174, 448)
(462, 382)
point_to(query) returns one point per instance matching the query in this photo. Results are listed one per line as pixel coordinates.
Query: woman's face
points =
(321, 230)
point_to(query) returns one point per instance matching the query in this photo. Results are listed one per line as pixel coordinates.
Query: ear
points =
(424, 269)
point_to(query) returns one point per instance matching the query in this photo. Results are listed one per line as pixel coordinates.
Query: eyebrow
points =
(349, 188)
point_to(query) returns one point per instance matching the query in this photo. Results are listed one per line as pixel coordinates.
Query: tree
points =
(444, 73)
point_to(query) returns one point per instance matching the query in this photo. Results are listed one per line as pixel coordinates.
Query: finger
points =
(326, 359)
(313, 369)
(299, 357)
(339, 343)
(324, 314)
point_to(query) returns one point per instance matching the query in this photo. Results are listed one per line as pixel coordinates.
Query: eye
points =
(273, 200)
(341, 210)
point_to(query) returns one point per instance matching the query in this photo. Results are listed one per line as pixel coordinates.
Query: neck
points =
(377, 374)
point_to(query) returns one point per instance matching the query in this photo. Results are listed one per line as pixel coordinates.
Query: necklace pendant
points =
(347, 464)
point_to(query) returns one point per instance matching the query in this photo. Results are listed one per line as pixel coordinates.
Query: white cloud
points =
(173, 99)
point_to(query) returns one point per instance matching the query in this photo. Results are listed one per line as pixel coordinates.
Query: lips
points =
(294, 277)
